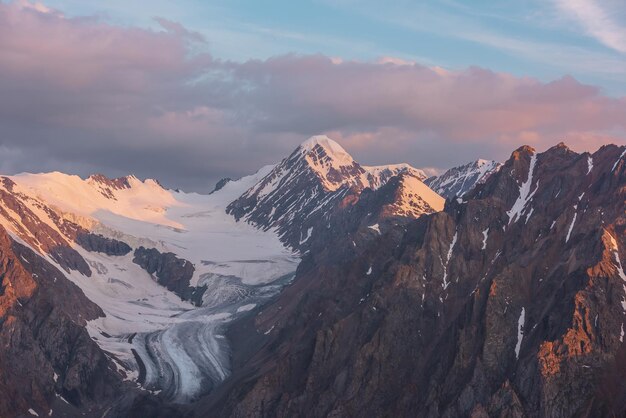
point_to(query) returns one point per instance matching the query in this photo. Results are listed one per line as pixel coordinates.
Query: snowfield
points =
(169, 346)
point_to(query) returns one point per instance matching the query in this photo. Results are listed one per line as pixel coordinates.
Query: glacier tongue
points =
(169, 346)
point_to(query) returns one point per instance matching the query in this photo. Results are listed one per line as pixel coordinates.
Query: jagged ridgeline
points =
(319, 287)
(509, 302)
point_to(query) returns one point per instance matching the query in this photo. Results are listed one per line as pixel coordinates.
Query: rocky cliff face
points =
(107, 186)
(56, 242)
(490, 308)
(48, 362)
(97, 243)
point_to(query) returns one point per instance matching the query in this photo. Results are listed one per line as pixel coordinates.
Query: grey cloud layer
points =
(84, 96)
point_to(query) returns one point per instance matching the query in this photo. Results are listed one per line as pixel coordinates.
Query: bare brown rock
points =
(508, 304)
(46, 352)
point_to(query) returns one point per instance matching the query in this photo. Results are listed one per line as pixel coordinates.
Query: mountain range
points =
(319, 287)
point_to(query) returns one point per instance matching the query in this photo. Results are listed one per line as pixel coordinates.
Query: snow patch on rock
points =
(520, 332)
(525, 195)
(485, 236)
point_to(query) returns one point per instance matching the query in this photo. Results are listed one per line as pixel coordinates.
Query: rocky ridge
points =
(458, 181)
(489, 308)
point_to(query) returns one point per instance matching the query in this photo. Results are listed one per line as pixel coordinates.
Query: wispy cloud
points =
(564, 57)
(520, 37)
(558, 55)
(597, 21)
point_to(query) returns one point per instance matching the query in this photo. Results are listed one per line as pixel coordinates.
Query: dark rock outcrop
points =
(47, 359)
(107, 186)
(220, 184)
(98, 243)
(171, 272)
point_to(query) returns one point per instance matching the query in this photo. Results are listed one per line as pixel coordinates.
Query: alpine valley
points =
(319, 287)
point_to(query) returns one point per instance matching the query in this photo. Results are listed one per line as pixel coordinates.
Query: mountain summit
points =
(332, 150)
(330, 163)
(311, 182)
(335, 167)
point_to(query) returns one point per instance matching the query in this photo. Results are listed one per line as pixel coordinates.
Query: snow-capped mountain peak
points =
(413, 198)
(459, 180)
(126, 196)
(336, 167)
(305, 186)
(332, 150)
(380, 174)
(328, 161)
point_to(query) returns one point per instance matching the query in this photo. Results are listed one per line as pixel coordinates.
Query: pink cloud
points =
(123, 98)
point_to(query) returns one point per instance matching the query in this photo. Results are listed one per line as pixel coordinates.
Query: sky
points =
(191, 91)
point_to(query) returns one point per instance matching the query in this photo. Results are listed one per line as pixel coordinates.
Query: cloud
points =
(180, 30)
(39, 7)
(455, 24)
(81, 95)
(597, 22)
